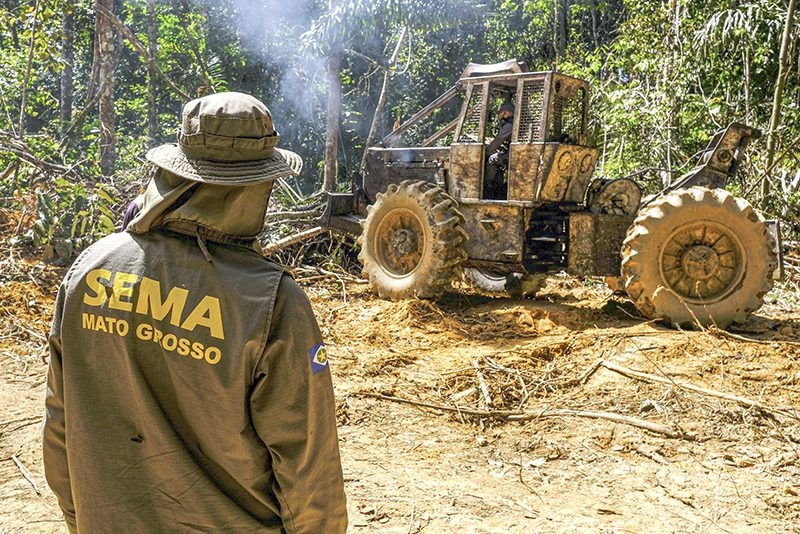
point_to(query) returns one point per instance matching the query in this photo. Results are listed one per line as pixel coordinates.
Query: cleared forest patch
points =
(473, 413)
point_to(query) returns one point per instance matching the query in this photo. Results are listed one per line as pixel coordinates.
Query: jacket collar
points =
(224, 214)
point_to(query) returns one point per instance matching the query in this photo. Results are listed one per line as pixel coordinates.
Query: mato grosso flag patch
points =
(319, 357)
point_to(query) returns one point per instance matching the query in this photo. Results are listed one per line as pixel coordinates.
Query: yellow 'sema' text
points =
(130, 292)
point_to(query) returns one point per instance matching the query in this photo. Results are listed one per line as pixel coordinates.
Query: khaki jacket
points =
(188, 391)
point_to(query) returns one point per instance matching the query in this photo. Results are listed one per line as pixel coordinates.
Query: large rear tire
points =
(412, 241)
(698, 256)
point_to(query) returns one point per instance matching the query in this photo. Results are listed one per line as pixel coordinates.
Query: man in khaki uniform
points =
(188, 388)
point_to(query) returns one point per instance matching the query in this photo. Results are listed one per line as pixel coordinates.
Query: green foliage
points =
(654, 105)
(74, 215)
(665, 75)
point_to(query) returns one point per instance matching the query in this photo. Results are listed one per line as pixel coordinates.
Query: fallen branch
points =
(482, 383)
(323, 275)
(668, 431)
(639, 375)
(722, 333)
(293, 215)
(33, 333)
(500, 414)
(585, 375)
(21, 423)
(271, 248)
(6, 173)
(26, 474)
(19, 148)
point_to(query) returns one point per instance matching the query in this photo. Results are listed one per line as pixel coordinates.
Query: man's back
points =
(172, 372)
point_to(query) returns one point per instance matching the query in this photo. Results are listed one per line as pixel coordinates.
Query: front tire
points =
(698, 256)
(412, 241)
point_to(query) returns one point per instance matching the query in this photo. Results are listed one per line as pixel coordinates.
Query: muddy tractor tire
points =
(412, 241)
(698, 256)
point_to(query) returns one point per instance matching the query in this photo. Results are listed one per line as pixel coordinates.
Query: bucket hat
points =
(227, 139)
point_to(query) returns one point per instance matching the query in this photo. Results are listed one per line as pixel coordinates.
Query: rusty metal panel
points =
(547, 187)
(496, 231)
(565, 173)
(580, 172)
(386, 166)
(523, 171)
(550, 172)
(595, 240)
(466, 169)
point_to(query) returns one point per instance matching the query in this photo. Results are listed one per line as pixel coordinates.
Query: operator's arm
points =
(503, 134)
(294, 412)
(54, 450)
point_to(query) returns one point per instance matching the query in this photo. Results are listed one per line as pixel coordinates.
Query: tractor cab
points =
(548, 159)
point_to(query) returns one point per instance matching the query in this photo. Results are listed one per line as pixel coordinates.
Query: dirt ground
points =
(482, 414)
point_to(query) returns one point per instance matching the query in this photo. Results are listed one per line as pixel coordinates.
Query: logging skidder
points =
(691, 254)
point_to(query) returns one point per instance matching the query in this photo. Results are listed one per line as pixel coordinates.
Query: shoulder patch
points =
(319, 357)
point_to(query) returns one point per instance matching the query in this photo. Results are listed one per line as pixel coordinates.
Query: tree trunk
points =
(334, 110)
(106, 48)
(152, 75)
(137, 45)
(382, 98)
(674, 98)
(561, 8)
(27, 74)
(784, 68)
(67, 75)
(746, 75)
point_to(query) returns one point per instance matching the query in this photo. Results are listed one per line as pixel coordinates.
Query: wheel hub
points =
(702, 261)
(403, 243)
(399, 242)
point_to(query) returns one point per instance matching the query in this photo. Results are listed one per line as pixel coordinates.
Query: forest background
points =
(86, 87)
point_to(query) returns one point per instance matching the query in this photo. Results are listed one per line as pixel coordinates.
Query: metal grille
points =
(470, 131)
(531, 116)
(567, 122)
